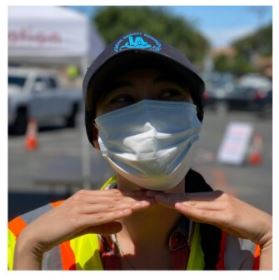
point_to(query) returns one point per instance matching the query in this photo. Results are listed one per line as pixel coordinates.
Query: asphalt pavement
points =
(54, 170)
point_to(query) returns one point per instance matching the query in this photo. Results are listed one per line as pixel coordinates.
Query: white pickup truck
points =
(36, 93)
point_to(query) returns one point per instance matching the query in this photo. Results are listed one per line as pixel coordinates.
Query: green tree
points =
(223, 63)
(259, 42)
(236, 65)
(115, 21)
(241, 66)
(246, 48)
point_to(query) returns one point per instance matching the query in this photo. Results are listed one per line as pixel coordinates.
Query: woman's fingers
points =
(199, 213)
(91, 208)
(205, 200)
(111, 207)
(110, 197)
(90, 202)
(208, 207)
(222, 210)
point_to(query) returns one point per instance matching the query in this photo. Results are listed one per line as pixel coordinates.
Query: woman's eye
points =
(172, 94)
(118, 102)
(124, 99)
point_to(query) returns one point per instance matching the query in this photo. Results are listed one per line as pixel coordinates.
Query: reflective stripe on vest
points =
(86, 251)
(11, 249)
(196, 257)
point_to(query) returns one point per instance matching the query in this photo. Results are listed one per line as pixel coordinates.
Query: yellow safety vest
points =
(83, 252)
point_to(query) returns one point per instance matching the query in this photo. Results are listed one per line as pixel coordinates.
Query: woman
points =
(143, 111)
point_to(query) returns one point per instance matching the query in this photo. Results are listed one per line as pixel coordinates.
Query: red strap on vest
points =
(179, 259)
(221, 265)
(257, 253)
(179, 250)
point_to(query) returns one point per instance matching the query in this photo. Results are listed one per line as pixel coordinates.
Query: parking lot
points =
(53, 171)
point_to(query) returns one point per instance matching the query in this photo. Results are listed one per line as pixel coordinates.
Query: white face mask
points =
(149, 142)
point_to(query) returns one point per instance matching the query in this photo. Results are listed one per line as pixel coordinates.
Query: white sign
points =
(235, 143)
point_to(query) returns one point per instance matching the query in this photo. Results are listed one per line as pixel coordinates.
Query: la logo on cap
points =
(137, 40)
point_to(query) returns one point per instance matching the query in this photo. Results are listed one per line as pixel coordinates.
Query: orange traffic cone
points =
(31, 141)
(255, 154)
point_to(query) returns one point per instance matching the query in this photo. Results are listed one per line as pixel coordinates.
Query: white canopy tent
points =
(52, 36)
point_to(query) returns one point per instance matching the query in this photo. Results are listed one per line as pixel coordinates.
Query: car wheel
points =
(20, 124)
(71, 119)
(265, 112)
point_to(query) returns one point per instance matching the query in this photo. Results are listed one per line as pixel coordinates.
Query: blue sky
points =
(220, 24)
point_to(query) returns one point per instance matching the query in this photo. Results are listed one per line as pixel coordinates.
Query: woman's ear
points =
(95, 135)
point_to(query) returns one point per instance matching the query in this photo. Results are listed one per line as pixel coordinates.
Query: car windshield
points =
(16, 81)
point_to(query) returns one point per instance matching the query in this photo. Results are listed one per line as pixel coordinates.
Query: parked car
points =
(265, 105)
(217, 87)
(37, 93)
(256, 81)
(246, 98)
(214, 96)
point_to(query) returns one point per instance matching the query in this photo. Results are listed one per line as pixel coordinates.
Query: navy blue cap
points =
(132, 49)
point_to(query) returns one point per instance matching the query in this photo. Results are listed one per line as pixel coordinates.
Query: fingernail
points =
(178, 204)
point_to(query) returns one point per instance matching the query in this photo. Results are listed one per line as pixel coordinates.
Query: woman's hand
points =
(226, 212)
(86, 211)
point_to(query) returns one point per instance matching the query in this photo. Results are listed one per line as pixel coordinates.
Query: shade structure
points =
(51, 35)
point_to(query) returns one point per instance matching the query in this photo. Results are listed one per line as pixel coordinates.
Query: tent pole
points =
(85, 145)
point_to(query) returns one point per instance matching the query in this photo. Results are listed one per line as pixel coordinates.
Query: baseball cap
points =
(131, 50)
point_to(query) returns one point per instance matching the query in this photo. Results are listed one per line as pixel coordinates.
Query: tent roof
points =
(42, 13)
(52, 35)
